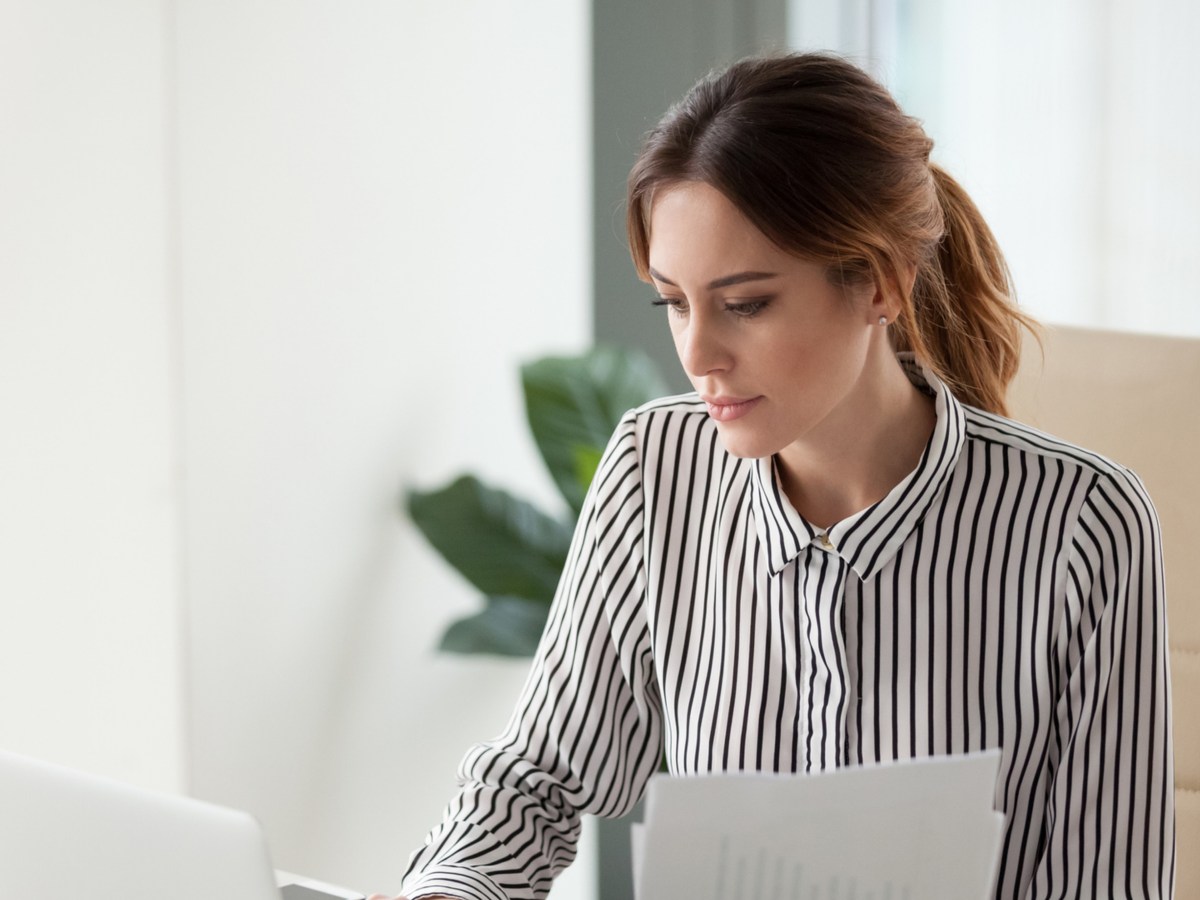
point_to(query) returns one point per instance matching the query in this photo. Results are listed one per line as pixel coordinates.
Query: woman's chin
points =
(743, 446)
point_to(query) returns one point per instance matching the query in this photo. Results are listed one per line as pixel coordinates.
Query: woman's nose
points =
(701, 348)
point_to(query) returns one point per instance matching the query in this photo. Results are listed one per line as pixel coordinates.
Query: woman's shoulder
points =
(1035, 444)
(664, 414)
(688, 404)
(677, 428)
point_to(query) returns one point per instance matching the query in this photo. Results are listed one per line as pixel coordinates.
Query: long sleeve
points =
(1109, 829)
(586, 733)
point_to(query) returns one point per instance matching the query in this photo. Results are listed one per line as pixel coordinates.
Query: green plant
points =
(511, 551)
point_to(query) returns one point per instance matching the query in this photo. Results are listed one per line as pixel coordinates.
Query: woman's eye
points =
(676, 305)
(747, 308)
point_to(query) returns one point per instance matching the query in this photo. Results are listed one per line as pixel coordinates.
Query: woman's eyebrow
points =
(725, 281)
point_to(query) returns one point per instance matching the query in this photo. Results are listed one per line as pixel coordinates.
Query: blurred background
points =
(265, 264)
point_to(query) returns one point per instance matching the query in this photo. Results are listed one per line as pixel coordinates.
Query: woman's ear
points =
(887, 300)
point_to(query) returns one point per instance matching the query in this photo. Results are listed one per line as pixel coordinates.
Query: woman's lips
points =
(726, 409)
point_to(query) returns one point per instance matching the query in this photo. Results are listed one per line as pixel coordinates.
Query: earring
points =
(883, 320)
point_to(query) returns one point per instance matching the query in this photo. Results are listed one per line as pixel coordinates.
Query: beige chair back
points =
(1136, 399)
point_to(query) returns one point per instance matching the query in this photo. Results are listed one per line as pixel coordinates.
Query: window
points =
(1071, 124)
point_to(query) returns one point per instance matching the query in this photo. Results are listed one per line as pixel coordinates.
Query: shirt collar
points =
(869, 539)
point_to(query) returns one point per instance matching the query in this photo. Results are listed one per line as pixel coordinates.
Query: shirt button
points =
(825, 541)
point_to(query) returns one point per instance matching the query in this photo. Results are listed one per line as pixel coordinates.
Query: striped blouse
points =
(1007, 594)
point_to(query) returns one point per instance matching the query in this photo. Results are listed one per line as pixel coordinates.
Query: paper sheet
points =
(918, 830)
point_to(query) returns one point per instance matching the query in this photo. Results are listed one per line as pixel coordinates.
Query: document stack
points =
(917, 830)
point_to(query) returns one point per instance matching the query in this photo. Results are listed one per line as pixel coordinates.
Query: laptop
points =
(65, 833)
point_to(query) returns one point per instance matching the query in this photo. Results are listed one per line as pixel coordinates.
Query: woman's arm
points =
(586, 733)
(1110, 825)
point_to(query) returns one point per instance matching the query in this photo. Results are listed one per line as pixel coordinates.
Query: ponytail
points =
(964, 323)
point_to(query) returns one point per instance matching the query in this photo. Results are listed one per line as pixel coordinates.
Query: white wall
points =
(264, 264)
(90, 652)
(383, 212)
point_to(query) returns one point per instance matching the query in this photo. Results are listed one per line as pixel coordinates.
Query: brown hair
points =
(821, 159)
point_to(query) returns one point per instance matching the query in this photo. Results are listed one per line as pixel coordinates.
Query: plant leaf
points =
(587, 461)
(507, 626)
(574, 404)
(501, 544)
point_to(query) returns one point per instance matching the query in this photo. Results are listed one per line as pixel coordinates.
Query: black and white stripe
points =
(1008, 594)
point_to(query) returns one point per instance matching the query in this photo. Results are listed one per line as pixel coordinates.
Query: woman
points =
(837, 551)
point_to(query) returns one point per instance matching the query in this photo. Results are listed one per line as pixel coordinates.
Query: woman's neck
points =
(864, 449)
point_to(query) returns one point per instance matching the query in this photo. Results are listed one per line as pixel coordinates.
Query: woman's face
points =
(782, 356)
